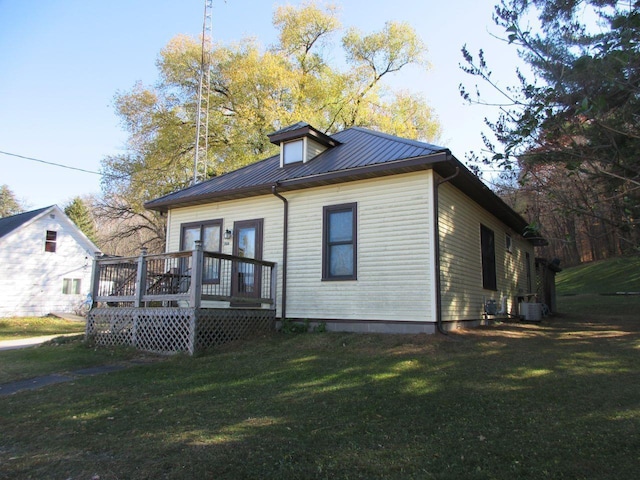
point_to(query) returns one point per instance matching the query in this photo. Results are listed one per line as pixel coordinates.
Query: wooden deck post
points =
(95, 278)
(274, 286)
(197, 260)
(141, 278)
(94, 289)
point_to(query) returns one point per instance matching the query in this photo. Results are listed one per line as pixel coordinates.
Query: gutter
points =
(436, 229)
(285, 248)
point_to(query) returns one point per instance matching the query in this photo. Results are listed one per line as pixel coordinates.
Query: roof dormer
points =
(300, 143)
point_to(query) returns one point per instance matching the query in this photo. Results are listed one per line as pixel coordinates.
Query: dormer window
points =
(293, 152)
(300, 143)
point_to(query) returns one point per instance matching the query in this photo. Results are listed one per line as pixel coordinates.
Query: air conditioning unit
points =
(532, 312)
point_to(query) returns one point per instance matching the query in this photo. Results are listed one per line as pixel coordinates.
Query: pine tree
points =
(78, 212)
(576, 116)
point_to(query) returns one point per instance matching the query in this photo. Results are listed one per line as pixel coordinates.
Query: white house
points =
(371, 232)
(46, 263)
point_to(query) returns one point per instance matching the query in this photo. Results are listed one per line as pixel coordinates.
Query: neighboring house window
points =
(487, 245)
(71, 286)
(339, 242)
(210, 233)
(50, 242)
(292, 152)
(508, 243)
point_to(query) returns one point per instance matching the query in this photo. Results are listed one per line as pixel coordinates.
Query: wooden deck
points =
(181, 301)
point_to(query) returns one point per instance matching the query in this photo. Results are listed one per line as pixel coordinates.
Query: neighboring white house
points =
(371, 232)
(45, 262)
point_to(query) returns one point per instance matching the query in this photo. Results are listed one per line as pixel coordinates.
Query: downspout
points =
(437, 249)
(285, 248)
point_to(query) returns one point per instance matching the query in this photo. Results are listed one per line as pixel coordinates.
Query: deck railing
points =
(186, 278)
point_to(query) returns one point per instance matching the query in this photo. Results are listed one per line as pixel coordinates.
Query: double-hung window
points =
(50, 241)
(339, 242)
(71, 286)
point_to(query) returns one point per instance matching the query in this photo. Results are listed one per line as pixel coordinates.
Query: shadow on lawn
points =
(556, 399)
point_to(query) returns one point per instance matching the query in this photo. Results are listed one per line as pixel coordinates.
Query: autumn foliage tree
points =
(255, 91)
(571, 128)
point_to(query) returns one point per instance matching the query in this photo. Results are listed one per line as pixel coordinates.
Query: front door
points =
(247, 243)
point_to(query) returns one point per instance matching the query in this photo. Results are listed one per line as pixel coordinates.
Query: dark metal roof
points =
(359, 148)
(360, 154)
(289, 128)
(9, 224)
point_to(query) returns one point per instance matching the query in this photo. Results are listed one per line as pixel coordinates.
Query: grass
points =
(602, 277)
(60, 355)
(588, 304)
(25, 327)
(587, 289)
(560, 399)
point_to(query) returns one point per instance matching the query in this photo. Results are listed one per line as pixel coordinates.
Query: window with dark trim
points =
(339, 242)
(50, 241)
(210, 233)
(508, 243)
(488, 248)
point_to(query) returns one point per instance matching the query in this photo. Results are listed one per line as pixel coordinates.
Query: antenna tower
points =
(204, 88)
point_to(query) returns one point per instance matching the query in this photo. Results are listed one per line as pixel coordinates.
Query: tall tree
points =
(79, 214)
(578, 116)
(9, 204)
(255, 91)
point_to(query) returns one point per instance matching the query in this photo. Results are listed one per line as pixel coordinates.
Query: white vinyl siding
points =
(461, 258)
(32, 279)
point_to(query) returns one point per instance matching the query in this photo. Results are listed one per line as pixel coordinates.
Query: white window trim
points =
(304, 151)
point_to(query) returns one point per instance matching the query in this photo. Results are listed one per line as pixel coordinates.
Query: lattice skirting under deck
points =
(172, 330)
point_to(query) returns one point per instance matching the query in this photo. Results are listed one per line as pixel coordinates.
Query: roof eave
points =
(328, 178)
(303, 131)
(473, 187)
(442, 162)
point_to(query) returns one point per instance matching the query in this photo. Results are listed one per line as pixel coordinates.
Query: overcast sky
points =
(62, 61)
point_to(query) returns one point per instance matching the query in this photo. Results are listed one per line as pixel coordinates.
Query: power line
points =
(83, 170)
(50, 163)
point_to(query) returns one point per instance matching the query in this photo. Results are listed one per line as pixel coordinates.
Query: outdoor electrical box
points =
(532, 312)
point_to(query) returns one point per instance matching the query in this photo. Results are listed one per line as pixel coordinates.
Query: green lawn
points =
(60, 355)
(24, 327)
(560, 399)
(603, 277)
